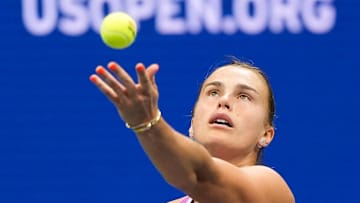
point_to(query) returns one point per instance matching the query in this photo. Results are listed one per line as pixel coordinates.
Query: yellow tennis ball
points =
(118, 30)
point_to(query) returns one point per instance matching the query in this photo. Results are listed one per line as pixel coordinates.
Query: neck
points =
(238, 160)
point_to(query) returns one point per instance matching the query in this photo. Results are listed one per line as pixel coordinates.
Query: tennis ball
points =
(118, 30)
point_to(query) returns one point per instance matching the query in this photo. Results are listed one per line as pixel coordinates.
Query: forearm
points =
(176, 157)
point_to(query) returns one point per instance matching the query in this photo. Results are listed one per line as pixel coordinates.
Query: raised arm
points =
(176, 157)
(184, 163)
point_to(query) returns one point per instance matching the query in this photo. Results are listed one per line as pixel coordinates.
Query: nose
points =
(224, 102)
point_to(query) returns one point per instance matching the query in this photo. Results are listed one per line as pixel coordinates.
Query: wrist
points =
(145, 126)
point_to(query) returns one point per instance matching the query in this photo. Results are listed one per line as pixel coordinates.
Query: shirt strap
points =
(186, 199)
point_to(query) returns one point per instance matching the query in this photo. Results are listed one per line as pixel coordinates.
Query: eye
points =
(244, 97)
(213, 92)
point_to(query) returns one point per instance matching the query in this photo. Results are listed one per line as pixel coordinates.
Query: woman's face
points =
(230, 116)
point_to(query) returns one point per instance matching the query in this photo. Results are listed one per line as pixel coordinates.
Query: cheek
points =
(251, 116)
(202, 106)
(200, 117)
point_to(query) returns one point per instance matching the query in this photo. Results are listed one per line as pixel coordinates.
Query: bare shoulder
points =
(225, 182)
(270, 180)
(255, 183)
(261, 170)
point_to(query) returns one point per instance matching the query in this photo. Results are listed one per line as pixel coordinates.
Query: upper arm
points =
(224, 182)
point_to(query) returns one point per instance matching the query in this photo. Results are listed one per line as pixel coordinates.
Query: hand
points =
(136, 102)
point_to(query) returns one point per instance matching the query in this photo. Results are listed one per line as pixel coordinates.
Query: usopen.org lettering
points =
(178, 17)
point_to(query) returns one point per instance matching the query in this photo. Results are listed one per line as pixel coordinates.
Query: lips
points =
(221, 119)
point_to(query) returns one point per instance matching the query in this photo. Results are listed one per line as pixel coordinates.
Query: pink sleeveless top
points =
(186, 199)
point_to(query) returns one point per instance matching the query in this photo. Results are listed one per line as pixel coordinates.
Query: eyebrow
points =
(240, 86)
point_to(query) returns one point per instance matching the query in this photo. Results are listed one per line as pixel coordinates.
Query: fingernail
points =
(112, 66)
(93, 78)
(100, 70)
(140, 68)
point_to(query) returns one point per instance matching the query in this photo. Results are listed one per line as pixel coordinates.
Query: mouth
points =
(221, 119)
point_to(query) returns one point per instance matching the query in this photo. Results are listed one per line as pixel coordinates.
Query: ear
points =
(267, 137)
(191, 132)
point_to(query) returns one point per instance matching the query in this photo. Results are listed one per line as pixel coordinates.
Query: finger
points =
(147, 76)
(142, 77)
(151, 71)
(124, 77)
(103, 87)
(110, 80)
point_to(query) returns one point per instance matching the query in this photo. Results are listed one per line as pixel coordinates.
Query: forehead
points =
(235, 74)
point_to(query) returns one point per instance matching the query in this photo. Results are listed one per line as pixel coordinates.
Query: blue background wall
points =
(62, 141)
